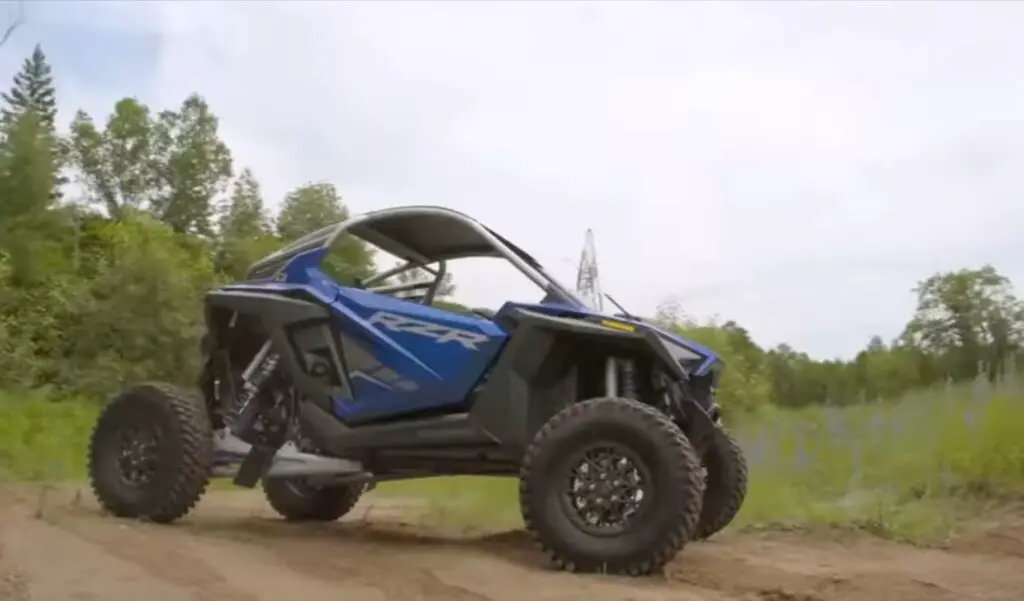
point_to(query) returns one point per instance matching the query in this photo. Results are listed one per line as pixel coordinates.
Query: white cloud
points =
(796, 167)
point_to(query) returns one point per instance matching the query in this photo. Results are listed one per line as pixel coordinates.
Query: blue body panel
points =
(404, 357)
(431, 373)
(394, 370)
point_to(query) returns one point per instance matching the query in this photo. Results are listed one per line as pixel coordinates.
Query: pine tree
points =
(244, 215)
(244, 228)
(26, 169)
(28, 227)
(33, 90)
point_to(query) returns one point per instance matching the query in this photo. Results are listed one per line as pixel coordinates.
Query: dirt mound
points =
(232, 549)
(998, 534)
(788, 567)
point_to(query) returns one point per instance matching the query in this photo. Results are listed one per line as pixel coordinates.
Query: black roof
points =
(436, 234)
(418, 233)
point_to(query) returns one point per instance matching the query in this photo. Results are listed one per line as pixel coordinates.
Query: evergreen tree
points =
(26, 168)
(28, 221)
(33, 90)
(244, 215)
(244, 229)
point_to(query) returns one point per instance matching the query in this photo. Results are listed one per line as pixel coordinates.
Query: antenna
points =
(19, 20)
(588, 286)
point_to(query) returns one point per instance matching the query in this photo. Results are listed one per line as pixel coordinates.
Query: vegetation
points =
(110, 232)
(912, 470)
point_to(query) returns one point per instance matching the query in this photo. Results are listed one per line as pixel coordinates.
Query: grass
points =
(910, 470)
(470, 503)
(41, 440)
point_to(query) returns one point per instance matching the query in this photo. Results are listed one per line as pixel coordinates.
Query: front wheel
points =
(150, 453)
(611, 485)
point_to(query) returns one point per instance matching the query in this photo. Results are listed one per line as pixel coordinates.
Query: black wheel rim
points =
(137, 456)
(607, 488)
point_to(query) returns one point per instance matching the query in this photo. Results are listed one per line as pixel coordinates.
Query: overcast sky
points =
(796, 167)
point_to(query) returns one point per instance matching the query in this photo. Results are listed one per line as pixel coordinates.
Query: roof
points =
(428, 232)
(424, 234)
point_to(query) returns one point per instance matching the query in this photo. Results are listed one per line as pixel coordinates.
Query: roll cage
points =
(425, 238)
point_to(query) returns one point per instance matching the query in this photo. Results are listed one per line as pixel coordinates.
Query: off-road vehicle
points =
(319, 390)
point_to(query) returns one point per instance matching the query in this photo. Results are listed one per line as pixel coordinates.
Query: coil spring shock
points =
(242, 416)
(627, 379)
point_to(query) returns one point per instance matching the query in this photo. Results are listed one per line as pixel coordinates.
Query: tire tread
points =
(723, 502)
(685, 483)
(189, 422)
(323, 505)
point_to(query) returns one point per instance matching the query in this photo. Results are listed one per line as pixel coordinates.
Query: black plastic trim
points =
(276, 315)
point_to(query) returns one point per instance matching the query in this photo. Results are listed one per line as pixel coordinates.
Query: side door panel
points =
(405, 357)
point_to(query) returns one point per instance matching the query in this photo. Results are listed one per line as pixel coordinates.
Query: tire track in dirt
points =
(75, 554)
(57, 567)
(312, 551)
(403, 561)
(13, 582)
(161, 557)
(232, 549)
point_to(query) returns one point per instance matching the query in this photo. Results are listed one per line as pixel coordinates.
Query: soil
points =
(56, 546)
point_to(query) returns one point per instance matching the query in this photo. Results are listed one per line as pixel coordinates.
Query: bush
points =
(904, 469)
(43, 440)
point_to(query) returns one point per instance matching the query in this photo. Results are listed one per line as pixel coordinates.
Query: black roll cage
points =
(425, 238)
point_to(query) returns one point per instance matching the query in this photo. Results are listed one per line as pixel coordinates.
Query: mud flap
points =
(254, 466)
(696, 423)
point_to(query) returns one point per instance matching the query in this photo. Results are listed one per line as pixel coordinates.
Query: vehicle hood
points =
(708, 358)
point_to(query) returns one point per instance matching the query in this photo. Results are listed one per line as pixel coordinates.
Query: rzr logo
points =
(442, 334)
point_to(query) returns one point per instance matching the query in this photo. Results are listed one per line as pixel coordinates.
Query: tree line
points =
(111, 231)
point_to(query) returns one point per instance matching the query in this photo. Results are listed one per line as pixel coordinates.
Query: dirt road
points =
(232, 549)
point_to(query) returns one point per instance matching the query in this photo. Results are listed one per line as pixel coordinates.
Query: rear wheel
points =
(295, 500)
(611, 485)
(726, 484)
(150, 453)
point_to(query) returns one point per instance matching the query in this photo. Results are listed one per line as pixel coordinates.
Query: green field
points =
(910, 470)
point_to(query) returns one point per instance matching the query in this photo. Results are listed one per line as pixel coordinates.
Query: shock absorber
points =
(627, 379)
(611, 377)
(242, 416)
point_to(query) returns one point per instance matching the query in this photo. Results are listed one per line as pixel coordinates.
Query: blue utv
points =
(319, 391)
